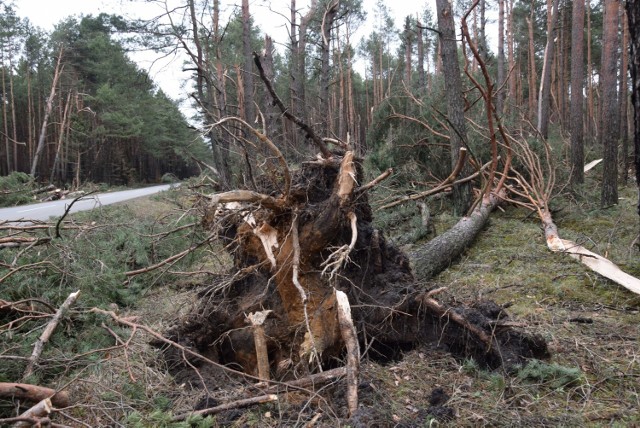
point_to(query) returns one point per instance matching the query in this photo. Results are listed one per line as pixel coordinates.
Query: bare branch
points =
(278, 102)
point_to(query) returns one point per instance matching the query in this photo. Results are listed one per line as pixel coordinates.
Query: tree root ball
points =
(292, 252)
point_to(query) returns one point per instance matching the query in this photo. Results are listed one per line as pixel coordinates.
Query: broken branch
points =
(278, 102)
(34, 393)
(227, 406)
(48, 331)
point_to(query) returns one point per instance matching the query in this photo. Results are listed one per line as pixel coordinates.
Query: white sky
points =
(46, 13)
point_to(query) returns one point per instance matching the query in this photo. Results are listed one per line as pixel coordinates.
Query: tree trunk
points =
(544, 96)
(271, 115)
(532, 68)
(408, 50)
(577, 99)
(5, 122)
(624, 95)
(455, 103)
(47, 112)
(325, 72)
(247, 75)
(633, 16)
(609, 112)
(592, 128)
(500, 75)
(513, 75)
(422, 80)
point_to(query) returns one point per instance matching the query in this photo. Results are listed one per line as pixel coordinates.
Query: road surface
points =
(45, 210)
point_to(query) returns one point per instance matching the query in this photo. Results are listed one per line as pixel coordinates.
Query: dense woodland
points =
(76, 108)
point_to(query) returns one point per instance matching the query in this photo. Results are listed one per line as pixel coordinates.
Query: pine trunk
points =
(633, 17)
(455, 103)
(609, 112)
(544, 95)
(577, 83)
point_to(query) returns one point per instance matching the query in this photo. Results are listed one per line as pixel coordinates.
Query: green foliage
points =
(554, 375)
(15, 189)
(92, 259)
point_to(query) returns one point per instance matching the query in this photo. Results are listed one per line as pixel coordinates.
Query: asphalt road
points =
(45, 210)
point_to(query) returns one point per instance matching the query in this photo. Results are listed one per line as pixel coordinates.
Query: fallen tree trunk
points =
(436, 255)
(34, 393)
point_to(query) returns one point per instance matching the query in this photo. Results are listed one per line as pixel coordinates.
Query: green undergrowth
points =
(15, 189)
(92, 254)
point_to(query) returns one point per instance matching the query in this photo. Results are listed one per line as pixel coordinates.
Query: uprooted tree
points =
(312, 279)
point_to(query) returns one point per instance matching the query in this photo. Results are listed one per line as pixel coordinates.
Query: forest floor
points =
(591, 324)
(592, 327)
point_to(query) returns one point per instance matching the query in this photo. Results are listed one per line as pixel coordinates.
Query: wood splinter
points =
(257, 320)
(350, 338)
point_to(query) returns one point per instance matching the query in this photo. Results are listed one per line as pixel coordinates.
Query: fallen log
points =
(437, 254)
(34, 393)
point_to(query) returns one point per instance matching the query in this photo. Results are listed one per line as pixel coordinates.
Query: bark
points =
(436, 255)
(592, 128)
(56, 161)
(34, 393)
(609, 113)
(408, 50)
(577, 99)
(455, 103)
(544, 95)
(5, 123)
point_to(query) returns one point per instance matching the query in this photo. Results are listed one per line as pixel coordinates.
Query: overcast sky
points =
(166, 72)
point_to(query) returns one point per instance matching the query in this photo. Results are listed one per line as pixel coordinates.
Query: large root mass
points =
(292, 250)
